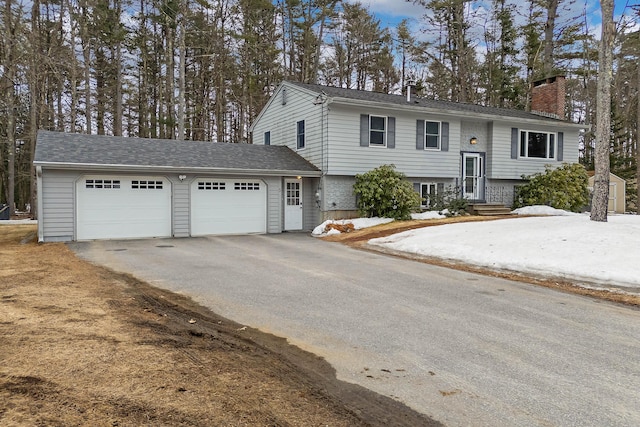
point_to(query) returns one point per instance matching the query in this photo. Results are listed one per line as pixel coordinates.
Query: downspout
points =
(39, 210)
(324, 139)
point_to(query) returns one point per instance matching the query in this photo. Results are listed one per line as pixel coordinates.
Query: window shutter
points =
(420, 135)
(444, 138)
(514, 143)
(391, 132)
(364, 130)
(560, 146)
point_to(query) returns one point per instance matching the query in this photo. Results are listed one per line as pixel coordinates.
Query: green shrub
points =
(564, 187)
(385, 192)
(448, 199)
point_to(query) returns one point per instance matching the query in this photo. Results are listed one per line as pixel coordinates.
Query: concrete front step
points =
(488, 209)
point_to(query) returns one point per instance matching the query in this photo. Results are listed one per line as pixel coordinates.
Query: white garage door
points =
(123, 207)
(228, 206)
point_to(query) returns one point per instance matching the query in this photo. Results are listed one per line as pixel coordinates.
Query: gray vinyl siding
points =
(311, 212)
(57, 216)
(501, 165)
(347, 157)
(180, 207)
(280, 120)
(274, 204)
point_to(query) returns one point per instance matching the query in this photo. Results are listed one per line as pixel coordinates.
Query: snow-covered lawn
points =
(563, 245)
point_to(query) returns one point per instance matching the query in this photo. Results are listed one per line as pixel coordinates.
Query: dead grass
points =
(82, 345)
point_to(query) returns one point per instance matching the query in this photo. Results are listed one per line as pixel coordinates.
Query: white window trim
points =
(526, 146)
(304, 135)
(386, 129)
(423, 200)
(424, 137)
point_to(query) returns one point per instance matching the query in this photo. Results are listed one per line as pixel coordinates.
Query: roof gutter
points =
(175, 169)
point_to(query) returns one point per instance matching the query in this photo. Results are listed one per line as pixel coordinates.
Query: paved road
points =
(467, 350)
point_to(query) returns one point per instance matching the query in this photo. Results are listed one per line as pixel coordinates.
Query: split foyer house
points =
(480, 151)
(309, 142)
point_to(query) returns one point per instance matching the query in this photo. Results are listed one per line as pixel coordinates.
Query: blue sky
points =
(391, 12)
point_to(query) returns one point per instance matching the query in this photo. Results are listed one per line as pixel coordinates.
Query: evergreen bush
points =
(564, 188)
(385, 192)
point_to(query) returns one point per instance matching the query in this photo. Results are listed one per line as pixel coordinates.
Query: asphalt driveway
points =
(462, 348)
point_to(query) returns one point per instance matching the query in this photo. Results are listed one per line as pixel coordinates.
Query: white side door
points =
(293, 204)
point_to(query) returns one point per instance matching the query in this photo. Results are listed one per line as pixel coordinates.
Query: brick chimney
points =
(547, 97)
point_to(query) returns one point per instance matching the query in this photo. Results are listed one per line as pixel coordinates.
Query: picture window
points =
(537, 145)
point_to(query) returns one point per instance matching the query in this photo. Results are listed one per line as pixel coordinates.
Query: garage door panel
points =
(123, 207)
(228, 206)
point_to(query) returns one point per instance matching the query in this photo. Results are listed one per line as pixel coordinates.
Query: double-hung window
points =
(428, 194)
(377, 131)
(300, 135)
(537, 145)
(431, 135)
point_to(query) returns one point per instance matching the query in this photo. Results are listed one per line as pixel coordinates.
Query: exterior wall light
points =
(473, 140)
(182, 177)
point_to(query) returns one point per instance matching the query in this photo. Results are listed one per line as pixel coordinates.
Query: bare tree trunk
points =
(600, 200)
(73, 77)
(181, 72)
(638, 143)
(9, 77)
(86, 54)
(117, 116)
(35, 91)
(549, 28)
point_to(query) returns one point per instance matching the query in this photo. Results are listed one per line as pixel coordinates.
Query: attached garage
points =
(103, 187)
(228, 206)
(116, 207)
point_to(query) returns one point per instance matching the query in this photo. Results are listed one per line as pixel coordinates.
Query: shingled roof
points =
(341, 94)
(94, 151)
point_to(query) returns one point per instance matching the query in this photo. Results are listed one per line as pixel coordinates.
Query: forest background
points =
(203, 69)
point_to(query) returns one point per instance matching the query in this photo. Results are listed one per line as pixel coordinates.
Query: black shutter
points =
(514, 143)
(444, 138)
(391, 132)
(560, 145)
(420, 135)
(364, 130)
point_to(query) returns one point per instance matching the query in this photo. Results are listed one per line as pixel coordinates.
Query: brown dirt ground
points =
(359, 238)
(82, 345)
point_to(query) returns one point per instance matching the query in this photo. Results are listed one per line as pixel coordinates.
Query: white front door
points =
(293, 204)
(472, 176)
